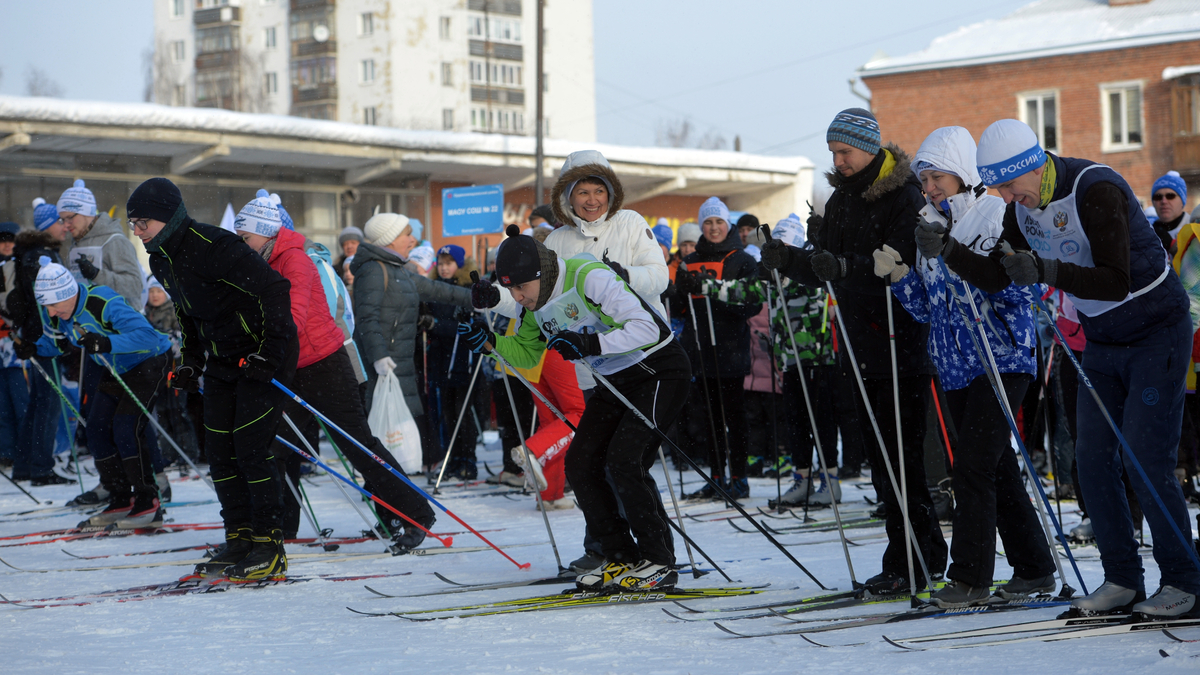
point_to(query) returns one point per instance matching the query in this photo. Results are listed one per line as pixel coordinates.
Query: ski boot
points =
(1022, 588)
(957, 594)
(831, 489)
(92, 497)
(1108, 599)
(412, 535)
(708, 492)
(1082, 533)
(890, 583)
(586, 563)
(535, 479)
(556, 504)
(646, 576)
(119, 506)
(238, 543)
(146, 511)
(265, 561)
(1168, 603)
(739, 488)
(797, 495)
(602, 576)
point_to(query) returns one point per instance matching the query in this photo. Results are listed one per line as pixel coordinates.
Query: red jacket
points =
(319, 335)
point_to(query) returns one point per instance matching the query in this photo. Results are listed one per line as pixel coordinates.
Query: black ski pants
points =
(821, 385)
(240, 417)
(611, 437)
(329, 386)
(921, 513)
(988, 491)
(728, 405)
(453, 399)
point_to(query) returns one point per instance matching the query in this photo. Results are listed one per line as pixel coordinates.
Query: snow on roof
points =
(149, 115)
(1051, 28)
(1179, 71)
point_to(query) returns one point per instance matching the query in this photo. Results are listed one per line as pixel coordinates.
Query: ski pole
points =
(993, 375)
(302, 500)
(377, 527)
(812, 418)
(446, 541)
(292, 395)
(887, 462)
(9, 478)
(1187, 545)
(57, 390)
(458, 424)
(67, 423)
(887, 298)
(712, 341)
(153, 420)
(712, 427)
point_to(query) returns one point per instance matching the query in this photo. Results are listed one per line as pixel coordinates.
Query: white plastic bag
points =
(393, 425)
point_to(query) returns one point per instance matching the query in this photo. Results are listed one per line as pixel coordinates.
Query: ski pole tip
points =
(524, 566)
(448, 542)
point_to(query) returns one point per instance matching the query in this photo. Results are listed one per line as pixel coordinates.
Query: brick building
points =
(1114, 81)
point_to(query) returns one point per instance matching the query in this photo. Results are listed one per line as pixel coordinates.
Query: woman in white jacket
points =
(987, 480)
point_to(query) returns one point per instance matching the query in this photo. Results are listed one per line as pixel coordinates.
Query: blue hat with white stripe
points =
(1007, 149)
(856, 127)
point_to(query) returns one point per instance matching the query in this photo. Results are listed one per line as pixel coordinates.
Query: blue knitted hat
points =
(1172, 181)
(856, 127)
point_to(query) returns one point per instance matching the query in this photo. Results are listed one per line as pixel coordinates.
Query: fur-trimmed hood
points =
(895, 178)
(462, 277)
(27, 239)
(580, 165)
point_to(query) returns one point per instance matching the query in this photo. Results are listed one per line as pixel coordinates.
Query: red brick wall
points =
(911, 105)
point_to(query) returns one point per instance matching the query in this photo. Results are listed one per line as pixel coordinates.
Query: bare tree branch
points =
(38, 83)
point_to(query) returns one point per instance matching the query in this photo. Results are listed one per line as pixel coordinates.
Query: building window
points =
(477, 69)
(368, 71)
(444, 28)
(176, 9)
(448, 119)
(366, 23)
(369, 116)
(218, 39)
(1122, 111)
(271, 83)
(496, 30)
(269, 38)
(179, 95)
(178, 51)
(447, 74)
(1039, 110)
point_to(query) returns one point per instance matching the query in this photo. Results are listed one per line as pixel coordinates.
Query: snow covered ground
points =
(305, 627)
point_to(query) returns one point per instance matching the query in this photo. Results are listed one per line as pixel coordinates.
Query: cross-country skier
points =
(324, 377)
(1076, 225)
(580, 308)
(238, 333)
(875, 201)
(97, 320)
(988, 488)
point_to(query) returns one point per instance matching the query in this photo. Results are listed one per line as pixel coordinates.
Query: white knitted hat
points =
(260, 216)
(78, 199)
(54, 283)
(382, 229)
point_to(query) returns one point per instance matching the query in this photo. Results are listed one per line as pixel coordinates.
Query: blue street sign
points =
(473, 210)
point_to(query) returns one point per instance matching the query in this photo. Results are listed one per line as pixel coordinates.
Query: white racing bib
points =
(568, 312)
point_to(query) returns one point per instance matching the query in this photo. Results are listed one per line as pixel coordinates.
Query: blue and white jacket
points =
(975, 221)
(99, 309)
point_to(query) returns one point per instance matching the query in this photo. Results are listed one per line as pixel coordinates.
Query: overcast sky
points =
(772, 71)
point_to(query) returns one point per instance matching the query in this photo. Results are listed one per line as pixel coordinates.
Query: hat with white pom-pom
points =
(78, 199)
(54, 283)
(260, 216)
(44, 215)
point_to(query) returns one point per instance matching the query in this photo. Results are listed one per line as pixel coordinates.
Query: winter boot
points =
(602, 576)
(412, 535)
(588, 562)
(266, 559)
(739, 488)
(802, 488)
(1108, 599)
(646, 576)
(782, 468)
(958, 594)
(1168, 603)
(464, 468)
(708, 492)
(890, 583)
(1083, 533)
(1020, 588)
(556, 504)
(535, 479)
(145, 512)
(754, 466)
(118, 508)
(831, 488)
(92, 497)
(238, 542)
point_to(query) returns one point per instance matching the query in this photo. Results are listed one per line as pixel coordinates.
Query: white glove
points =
(384, 366)
(887, 262)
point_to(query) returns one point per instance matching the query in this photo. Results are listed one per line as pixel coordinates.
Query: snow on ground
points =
(305, 627)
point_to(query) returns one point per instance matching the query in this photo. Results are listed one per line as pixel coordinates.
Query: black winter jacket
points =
(729, 321)
(229, 301)
(443, 335)
(387, 304)
(22, 310)
(866, 211)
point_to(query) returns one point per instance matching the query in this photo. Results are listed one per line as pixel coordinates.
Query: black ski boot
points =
(708, 492)
(266, 560)
(238, 542)
(93, 497)
(411, 537)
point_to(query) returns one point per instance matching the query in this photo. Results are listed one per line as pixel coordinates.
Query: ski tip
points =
(727, 630)
(1163, 653)
(893, 643)
(684, 607)
(379, 593)
(814, 642)
(1165, 632)
(358, 611)
(672, 615)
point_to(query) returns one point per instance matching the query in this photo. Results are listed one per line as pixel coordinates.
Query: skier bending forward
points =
(581, 309)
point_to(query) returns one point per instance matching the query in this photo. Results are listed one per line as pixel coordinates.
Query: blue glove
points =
(575, 346)
(475, 334)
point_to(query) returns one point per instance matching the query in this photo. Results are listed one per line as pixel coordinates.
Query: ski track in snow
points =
(305, 628)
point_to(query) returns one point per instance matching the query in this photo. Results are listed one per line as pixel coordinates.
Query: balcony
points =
(217, 15)
(314, 48)
(499, 50)
(509, 7)
(498, 95)
(1185, 126)
(321, 92)
(216, 60)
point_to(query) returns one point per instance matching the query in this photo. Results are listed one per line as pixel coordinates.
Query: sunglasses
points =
(1164, 197)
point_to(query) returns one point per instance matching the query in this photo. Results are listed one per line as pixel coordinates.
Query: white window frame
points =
(177, 8)
(447, 74)
(366, 23)
(366, 71)
(179, 51)
(444, 28)
(270, 83)
(371, 116)
(1040, 130)
(1106, 124)
(270, 38)
(447, 119)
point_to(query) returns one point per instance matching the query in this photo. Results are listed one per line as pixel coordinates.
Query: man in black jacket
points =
(236, 322)
(875, 201)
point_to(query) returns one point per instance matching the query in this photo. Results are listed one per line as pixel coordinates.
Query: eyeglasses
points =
(67, 219)
(139, 223)
(1164, 197)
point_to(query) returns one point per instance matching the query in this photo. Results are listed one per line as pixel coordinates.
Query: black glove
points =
(776, 255)
(24, 349)
(186, 378)
(815, 225)
(1026, 268)
(616, 267)
(484, 294)
(475, 334)
(95, 343)
(64, 345)
(575, 346)
(257, 368)
(932, 239)
(688, 282)
(86, 268)
(827, 266)
(426, 322)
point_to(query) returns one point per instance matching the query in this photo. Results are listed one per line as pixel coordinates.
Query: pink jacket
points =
(761, 363)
